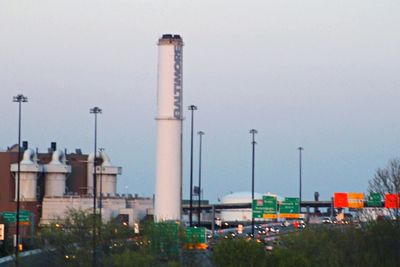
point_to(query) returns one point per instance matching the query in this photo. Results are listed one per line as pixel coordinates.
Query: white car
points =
(326, 220)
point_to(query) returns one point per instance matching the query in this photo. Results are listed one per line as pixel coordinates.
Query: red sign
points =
(392, 201)
(340, 200)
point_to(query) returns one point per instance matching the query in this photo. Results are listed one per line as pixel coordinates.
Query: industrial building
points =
(53, 182)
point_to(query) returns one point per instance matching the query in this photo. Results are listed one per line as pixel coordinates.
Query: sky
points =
(322, 74)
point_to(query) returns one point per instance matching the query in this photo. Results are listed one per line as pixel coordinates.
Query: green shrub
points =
(239, 252)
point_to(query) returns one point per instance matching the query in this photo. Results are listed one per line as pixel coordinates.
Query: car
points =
(326, 220)
(269, 248)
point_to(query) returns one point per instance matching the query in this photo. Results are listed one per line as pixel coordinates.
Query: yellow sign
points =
(200, 246)
(355, 200)
(1, 231)
(289, 215)
(340, 217)
(270, 216)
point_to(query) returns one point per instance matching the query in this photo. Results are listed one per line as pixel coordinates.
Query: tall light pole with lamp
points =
(253, 132)
(18, 99)
(95, 111)
(200, 133)
(300, 174)
(101, 189)
(192, 108)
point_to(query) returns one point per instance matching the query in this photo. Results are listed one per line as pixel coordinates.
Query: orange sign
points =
(392, 201)
(355, 200)
(340, 200)
(270, 216)
(289, 215)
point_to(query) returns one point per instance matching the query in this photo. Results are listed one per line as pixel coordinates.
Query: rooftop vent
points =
(25, 145)
(53, 146)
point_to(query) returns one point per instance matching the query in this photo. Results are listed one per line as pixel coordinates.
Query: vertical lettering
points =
(178, 82)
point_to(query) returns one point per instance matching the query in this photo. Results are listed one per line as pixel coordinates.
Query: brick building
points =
(55, 181)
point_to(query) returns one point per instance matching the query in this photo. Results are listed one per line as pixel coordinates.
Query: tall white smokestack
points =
(168, 193)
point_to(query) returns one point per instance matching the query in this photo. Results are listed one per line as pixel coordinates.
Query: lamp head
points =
(192, 107)
(253, 131)
(20, 98)
(95, 110)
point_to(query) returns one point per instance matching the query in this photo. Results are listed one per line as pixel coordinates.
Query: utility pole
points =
(300, 173)
(200, 133)
(95, 111)
(18, 99)
(192, 108)
(253, 143)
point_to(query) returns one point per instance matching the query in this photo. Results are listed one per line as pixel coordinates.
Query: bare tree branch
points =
(387, 180)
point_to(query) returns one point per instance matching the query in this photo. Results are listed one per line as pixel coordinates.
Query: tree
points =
(239, 252)
(376, 244)
(69, 242)
(387, 180)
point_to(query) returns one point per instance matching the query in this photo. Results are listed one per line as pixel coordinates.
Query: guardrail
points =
(9, 260)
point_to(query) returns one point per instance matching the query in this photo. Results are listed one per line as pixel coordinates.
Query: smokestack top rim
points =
(171, 36)
(170, 39)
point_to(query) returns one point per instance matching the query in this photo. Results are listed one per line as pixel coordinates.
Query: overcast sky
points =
(320, 74)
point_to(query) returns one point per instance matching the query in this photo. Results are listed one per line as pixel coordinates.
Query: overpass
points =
(227, 206)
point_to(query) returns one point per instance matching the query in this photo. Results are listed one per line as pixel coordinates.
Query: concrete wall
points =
(55, 208)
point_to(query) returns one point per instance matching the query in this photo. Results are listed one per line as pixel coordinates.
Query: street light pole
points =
(18, 99)
(200, 133)
(95, 111)
(192, 108)
(101, 190)
(300, 173)
(253, 132)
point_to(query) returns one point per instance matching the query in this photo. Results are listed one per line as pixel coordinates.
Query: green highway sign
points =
(195, 235)
(290, 205)
(290, 208)
(270, 204)
(258, 208)
(265, 207)
(375, 200)
(12, 216)
(164, 238)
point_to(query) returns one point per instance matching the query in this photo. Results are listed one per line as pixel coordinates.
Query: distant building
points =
(240, 215)
(55, 181)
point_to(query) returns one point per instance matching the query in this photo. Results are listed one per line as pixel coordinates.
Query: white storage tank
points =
(29, 170)
(56, 174)
(232, 215)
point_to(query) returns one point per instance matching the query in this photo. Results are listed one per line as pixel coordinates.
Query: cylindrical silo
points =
(89, 173)
(56, 174)
(29, 170)
(168, 193)
(107, 176)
